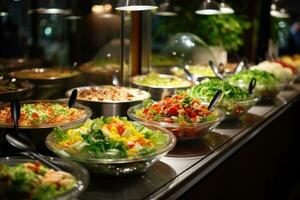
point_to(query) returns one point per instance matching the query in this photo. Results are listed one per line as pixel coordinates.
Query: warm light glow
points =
(207, 12)
(225, 9)
(102, 9)
(166, 13)
(51, 11)
(136, 8)
(278, 14)
(3, 14)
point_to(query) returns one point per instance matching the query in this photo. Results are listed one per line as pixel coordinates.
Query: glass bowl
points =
(80, 173)
(182, 132)
(233, 109)
(265, 92)
(116, 166)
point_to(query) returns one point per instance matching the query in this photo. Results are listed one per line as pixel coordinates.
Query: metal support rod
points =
(136, 43)
(122, 48)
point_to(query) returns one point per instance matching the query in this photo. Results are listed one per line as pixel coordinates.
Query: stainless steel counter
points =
(188, 163)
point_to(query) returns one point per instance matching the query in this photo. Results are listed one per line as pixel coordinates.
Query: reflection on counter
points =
(133, 187)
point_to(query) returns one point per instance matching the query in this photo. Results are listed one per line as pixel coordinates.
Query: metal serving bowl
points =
(23, 91)
(107, 108)
(47, 87)
(38, 133)
(41, 78)
(160, 92)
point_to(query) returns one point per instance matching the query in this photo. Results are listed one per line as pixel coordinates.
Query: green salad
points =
(234, 102)
(206, 91)
(109, 137)
(160, 80)
(33, 181)
(264, 79)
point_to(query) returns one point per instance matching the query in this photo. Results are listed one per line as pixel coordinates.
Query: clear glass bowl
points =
(79, 172)
(181, 131)
(265, 92)
(234, 109)
(116, 166)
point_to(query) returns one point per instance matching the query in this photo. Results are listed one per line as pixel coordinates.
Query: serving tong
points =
(24, 143)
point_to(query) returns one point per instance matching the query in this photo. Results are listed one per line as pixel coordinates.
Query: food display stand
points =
(199, 169)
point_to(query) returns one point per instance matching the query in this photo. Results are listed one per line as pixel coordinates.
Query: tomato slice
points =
(130, 144)
(120, 129)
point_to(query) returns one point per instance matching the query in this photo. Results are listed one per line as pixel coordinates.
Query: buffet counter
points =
(189, 163)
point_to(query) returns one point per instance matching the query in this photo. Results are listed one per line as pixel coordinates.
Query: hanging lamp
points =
(166, 9)
(208, 7)
(136, 5)
(225, 8)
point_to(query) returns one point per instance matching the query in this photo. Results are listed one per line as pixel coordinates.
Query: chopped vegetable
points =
(263, 78)
(180, 108)
(33, 181)
(159, 80)
(234, 102)
(43, 113)
(109, 137)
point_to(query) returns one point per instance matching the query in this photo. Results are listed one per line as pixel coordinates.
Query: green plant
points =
(215, 30)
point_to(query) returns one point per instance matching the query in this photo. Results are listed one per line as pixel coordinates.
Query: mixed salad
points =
(285, 75)
(109, 137)
(234, 102)
(109, 93)
(42, 113)
(266, 82)
(160, 80)
(33, 181)
(180, 108)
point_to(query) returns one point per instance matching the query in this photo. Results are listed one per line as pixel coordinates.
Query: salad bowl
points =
(160, 85)
(112, 146)
(78, 179)
(235, 102)
(39, 117)
(267, 85)
(192, 124)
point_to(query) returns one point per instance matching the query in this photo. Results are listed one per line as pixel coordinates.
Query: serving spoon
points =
(252, 85)
(73, 98)
(215, 100)
(20, 141)
(215, 70)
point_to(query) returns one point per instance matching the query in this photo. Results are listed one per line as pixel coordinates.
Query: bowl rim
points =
(74, 73)
(81, 184)
(25, 86)
(159, 152)
(254, 98)
(82, 88)
(87, 110)
(133, 80)
(132, 115)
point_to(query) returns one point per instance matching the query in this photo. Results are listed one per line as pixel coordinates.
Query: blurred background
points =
(61, 32)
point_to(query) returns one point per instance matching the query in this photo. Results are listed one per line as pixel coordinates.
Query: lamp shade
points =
(135, 5)
(278, 11)
(208, 7)
(3, 10)
(166, 9)
(226, 9)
